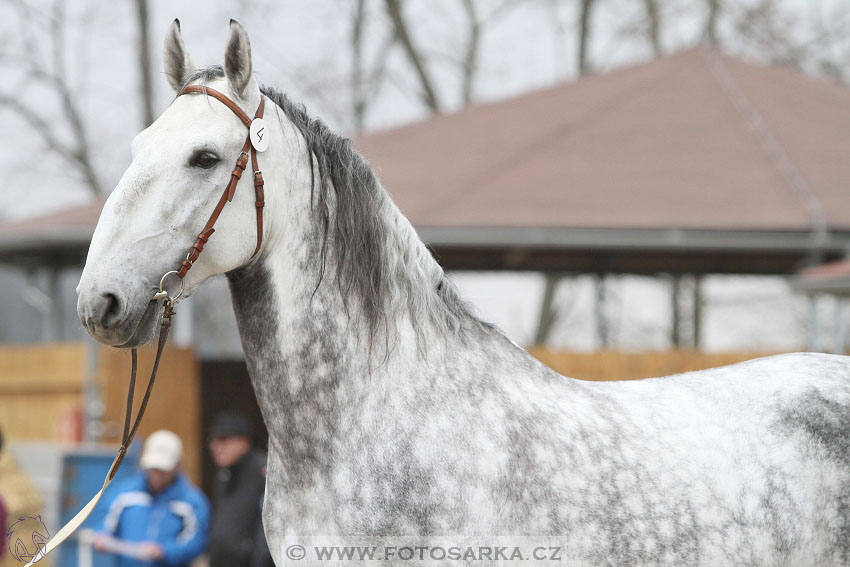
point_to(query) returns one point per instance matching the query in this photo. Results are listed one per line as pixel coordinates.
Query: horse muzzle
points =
(116, 318)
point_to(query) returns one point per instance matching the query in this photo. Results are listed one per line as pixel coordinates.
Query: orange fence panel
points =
(615, 365)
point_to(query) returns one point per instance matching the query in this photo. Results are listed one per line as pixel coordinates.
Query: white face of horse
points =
(180, 167)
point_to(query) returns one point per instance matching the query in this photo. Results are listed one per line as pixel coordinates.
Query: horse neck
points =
(305, 331)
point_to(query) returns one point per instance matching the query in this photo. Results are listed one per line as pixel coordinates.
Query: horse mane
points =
(378, 256)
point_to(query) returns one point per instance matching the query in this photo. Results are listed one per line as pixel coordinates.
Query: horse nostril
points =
(110, 310)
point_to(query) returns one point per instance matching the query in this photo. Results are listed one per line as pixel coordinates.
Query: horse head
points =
(179, 166)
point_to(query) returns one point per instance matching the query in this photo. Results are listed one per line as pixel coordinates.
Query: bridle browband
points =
(249, 150)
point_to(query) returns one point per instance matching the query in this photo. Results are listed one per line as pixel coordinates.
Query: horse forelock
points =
(372, 252)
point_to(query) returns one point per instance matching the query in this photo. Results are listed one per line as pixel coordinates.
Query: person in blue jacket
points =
(156, 517)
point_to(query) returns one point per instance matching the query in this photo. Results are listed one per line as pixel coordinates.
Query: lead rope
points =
(126, 439)
(165, 323)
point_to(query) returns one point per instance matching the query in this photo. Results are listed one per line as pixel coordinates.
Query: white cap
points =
(163, 451)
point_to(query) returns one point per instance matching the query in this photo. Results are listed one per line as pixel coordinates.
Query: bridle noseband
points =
(256, 141)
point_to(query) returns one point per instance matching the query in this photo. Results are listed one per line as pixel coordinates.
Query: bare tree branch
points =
(376, 78)
(770, 29)
(143, 20)
(473, 42)
(360, 97)
(39, 125)
(366, 80)
(710, 28)
(358, 101)
(653, 21)
(584, 31)
(66, 99)
(429, 93)
(53, 76)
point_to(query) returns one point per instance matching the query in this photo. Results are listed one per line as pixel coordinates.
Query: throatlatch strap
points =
(260, 195)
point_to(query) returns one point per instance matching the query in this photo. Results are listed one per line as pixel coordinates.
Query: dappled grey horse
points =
(393, 411)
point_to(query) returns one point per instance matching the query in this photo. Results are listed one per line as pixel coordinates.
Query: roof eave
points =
(839, 285)
(625, 239)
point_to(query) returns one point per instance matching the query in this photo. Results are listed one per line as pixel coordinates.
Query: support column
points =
(814, 324)
(547, 315)
(839, 337)
(53, 318)
(675, 327)
(601, 321)
(697, 332)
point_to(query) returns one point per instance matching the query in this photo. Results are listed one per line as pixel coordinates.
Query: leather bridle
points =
(230, 189)
(249, 151)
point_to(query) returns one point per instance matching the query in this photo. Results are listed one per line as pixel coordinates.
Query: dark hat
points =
(231, 423)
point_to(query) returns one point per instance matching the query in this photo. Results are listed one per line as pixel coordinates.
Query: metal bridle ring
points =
(162, 291)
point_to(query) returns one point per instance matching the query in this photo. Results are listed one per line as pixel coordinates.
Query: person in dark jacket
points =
(236, 536)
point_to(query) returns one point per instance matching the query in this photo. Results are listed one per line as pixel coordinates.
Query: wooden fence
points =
(615, 365)
(42, 387)
(42, 394)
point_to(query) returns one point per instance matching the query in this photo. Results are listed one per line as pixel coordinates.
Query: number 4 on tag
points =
(259, 135)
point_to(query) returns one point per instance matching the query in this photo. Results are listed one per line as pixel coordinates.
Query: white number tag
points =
(259, 135)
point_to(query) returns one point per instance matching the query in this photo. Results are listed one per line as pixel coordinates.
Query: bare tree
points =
(414, 55)
(470, 60)
(769, 29)
(367, 77)
(584, 31)
(476, 26)
(709, 33)
(811, 40)
(653, 25)
(50, 74)
(146, 87)
(358, 101)
(366, 80)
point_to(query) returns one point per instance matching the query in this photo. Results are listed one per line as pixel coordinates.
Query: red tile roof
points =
(828, 271)
(82, 217)
(659, 145)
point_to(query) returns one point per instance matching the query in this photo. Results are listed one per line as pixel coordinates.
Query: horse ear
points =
(178, 62)
(237, 59)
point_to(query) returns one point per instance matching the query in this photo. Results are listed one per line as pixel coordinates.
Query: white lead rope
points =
(129, 432)
(71, 526)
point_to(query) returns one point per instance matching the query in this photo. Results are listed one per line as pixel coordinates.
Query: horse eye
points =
(204, 160)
